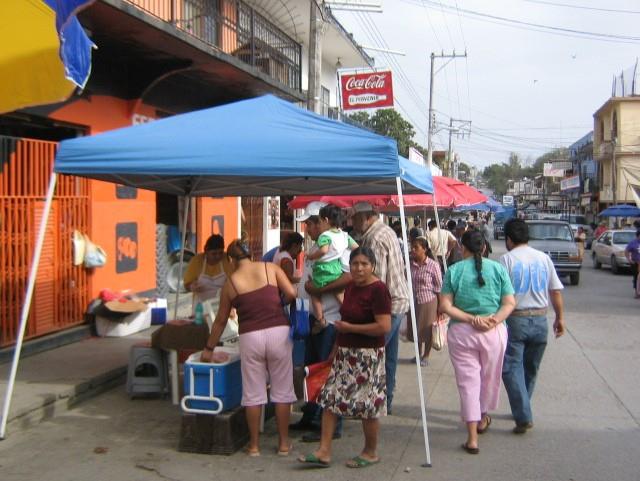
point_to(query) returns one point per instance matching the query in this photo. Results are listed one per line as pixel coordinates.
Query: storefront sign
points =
(370, 90)
(570, 183)
(126, 247)
(553, 170)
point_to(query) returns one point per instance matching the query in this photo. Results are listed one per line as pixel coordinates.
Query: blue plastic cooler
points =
(211, 388)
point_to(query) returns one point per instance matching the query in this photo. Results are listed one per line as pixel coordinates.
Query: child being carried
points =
(331, 247)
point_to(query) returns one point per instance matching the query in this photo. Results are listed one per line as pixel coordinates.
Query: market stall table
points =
(175, 336)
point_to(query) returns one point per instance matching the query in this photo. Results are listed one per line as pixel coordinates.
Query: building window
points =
(614, 126)
(325, 100)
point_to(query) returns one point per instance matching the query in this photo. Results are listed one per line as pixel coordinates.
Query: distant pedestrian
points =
(441, 242)
(417, 224)
(536, 284)
(427, 282)
(486, 234)
(600, 230)
(632, 253)
(581, 241)
(478, 296)
(389, 268)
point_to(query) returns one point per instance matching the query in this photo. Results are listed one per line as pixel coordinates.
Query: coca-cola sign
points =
(369, 90)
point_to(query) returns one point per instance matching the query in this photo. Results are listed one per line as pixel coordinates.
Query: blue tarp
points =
(257, 147)
(621, 210)
(490, 205)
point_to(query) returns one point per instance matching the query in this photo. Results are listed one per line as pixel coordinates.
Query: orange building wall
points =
(131, 262)
(211, 213)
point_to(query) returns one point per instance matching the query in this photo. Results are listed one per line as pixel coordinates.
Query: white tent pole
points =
(412, 306)
(185, 215)
(26, 306)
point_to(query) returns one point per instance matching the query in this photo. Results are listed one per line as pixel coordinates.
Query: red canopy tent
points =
(449, 193)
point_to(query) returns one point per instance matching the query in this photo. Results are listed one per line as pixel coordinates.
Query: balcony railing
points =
(233, 27)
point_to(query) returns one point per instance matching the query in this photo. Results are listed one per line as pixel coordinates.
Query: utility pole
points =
(464, 126)
(451, 57)
(316, 32)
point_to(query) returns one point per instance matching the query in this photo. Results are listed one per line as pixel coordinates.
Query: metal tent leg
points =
(185, 216)
(33, 271)
(423, 409)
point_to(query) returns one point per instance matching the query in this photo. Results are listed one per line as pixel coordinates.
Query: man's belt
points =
(529, 312)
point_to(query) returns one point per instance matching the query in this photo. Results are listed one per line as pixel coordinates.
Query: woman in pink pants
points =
(254, 289)
(478, 296)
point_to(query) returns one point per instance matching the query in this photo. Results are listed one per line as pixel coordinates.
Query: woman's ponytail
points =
(477, 257)
(474, 242)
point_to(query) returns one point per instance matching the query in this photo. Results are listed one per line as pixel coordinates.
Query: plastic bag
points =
(299, 317)
(79, 248)
(94, 255)
(439, 331)
(315, 377)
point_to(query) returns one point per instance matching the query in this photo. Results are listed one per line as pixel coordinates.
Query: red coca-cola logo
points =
(367, 90)
(375, 81)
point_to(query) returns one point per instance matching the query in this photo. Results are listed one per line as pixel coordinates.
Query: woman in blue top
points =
(478, 296)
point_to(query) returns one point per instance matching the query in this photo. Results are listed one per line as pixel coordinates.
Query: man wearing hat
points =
(389, 268)
(320, 344)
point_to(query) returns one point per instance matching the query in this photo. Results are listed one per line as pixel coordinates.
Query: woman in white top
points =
(285, 256)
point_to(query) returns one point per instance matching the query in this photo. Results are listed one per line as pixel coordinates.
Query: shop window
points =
(325, 100)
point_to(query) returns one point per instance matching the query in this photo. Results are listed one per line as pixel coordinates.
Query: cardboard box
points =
(130, 324)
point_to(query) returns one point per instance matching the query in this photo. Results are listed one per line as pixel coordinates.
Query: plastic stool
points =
(147, 372)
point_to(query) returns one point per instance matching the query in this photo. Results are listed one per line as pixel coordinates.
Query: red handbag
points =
(315, 377)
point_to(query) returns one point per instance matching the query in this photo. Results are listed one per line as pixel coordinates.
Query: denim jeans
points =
(318, 348)
(525, 348)
(391, 340)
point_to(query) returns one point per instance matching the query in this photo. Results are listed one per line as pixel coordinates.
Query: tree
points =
(360, 118)
(389, 123)
(497, 178)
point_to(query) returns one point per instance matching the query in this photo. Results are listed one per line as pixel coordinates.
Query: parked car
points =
(609, 249)
(498, 230)
(555, 238)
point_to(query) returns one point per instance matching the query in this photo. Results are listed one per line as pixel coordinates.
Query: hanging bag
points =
(315, 378)
(94, 255)
(439, 330)
(299, 317)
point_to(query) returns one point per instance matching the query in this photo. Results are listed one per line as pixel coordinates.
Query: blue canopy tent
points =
(258, 147)
(621, 210)
(491, 205)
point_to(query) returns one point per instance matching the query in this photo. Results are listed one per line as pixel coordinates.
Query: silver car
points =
(609, 249)
(554, 238)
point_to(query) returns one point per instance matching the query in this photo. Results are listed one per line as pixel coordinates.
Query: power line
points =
(583, 7)
(550, 29)
(373, 33)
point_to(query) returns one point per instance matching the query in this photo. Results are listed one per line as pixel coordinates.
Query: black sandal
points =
(486, 426)
(470, 450)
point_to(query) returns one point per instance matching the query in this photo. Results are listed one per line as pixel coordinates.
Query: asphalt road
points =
(587, 420)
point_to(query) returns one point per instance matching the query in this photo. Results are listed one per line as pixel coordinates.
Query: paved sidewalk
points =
(51, 382)
(587, 415)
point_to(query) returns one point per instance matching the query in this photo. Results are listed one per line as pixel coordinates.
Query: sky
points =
(524, 89)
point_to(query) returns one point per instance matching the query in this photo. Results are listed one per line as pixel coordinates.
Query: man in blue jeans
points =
(536, 284)
(320, 343)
